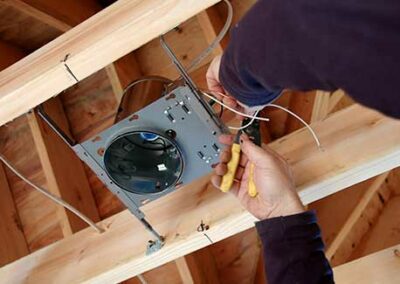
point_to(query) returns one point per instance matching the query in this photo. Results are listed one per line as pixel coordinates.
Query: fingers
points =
(212, 77)
(222, 168)
(257, 155)
(216, 181)
(226, 139)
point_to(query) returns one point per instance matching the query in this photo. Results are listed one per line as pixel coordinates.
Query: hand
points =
(277, 194)
(215, 86)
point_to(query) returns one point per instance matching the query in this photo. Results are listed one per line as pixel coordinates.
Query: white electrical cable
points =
(254, 117)
(301, 120)
(234, 110)
(248, 124)
(216, 41)
(53, 197)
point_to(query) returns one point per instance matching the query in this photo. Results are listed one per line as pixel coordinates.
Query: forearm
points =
(307, 45)
(294, 250)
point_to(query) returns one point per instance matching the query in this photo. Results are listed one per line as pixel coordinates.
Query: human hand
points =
(277, 194)
(215, 86)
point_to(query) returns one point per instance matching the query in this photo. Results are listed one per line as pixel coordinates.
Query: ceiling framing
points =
(112, 47)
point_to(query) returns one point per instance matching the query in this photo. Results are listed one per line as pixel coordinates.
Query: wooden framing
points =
(63, 170)
(352, 152)
(62, 17)
(380, 267)
(92, 45)
(358, 222)
(11, 236)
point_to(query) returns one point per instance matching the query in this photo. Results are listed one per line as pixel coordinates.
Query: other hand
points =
(215, 86)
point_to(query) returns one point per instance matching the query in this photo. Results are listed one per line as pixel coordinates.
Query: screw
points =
(202, 227)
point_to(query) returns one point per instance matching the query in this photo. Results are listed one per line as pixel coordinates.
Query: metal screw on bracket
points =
(202, 227)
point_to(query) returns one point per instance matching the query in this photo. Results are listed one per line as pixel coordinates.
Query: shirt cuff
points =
(278, 227)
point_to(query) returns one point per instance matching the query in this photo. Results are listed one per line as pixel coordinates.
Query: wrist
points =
(290, 205)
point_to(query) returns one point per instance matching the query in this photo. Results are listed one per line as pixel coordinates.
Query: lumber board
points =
(9, 54)
(37, 14)
(187, 41)
(64, 171)
(301, 103)
(88, 47)
(13, 244)
(384, 233)
(341, 205)
(198, 268)
(211, 23)
(39, 227)
(358, 223)
(380, 267)
(61, 15)
(321, 106)
(236, 257)
(22, 30)
(122, 72)
(352, 151)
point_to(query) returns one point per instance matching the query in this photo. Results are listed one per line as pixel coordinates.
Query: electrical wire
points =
(247, 124)
(216, 41)
(234, 110)
(53, 197)
(145, 79)
(254, 117)
(301, 120)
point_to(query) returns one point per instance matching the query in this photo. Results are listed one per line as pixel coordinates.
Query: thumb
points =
(257, 155)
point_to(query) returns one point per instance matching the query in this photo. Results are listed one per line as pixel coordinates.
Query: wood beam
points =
(320, 108)
(122, 72)
(61, 15)
(385, 231)
(64, 171)
(301, 103)
(13, 244)
(312, 106)
(352, 151)
(359, 222)
(9, 54)
(92, 45)
(380, 267)
(211, 23)
(198, 267)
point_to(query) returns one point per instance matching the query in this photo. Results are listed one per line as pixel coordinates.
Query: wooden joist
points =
(63, 170)
(198, 268)
(359, 222)
(380, 267)
(352, 151)
(61, 15)
(90, 46)
(13, 244)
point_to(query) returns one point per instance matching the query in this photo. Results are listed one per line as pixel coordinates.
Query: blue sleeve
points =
(294, 250)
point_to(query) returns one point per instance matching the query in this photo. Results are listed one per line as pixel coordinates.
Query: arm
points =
(306, 45)
(292, 243)
(293, 250)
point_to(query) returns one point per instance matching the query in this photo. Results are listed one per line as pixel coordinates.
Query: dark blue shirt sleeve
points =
(306, 45)
(294, 250)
